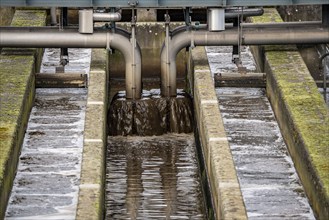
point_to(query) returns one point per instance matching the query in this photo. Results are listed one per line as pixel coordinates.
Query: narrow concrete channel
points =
(155, 177)
(47, 179)
(270, 186)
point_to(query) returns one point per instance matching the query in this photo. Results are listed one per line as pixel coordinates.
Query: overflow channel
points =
(152, 169)
(46, 185)
(270, 185)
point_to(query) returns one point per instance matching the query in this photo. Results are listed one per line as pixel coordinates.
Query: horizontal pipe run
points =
(248, 12)
(69, 39)
(112, 16)
(306, 24)
(292, 24)
(251, 36)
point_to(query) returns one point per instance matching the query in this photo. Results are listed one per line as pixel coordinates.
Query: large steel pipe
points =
(251, 36)
(69, 39)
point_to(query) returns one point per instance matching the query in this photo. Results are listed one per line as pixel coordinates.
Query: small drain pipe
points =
(53, 15)
(72, 39)
(247, 12)
(321, 67)
(251, 36)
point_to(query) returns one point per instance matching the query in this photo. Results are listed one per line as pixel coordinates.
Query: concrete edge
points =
(302, 118)
(16, 141)
(26, 104)
(299, 149)
(91, 188)
(224, 185)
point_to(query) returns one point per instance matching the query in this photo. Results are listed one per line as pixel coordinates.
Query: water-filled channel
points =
(154, 177)
(270, 185)
(46, 185)
(152, 167)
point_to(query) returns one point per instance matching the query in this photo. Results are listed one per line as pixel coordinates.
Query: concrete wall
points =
(224, 185)
(310, 53)
(302, 115)
(150, 37)
(17, 86)
(91, 188)
(6, 15)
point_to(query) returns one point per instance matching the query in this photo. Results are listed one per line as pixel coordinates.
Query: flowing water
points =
(155, 176)
(151, 115)
(48, 173)
(270, 185)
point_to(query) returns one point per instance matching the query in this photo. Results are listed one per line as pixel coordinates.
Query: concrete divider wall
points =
(224, 185)
(91, 189)
(17, 88)
(6, 15)
(302, 116)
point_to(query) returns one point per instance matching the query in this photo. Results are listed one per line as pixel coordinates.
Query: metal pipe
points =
(165, 74)
(112, 16)
(59, 39)
(53, 15)
(132, 79)
(324, 75)
(251, 36)
(283, 24)
(247, 12)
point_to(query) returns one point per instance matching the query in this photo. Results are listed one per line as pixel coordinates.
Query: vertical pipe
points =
(322, 68)
(133, 81)
(235, 48)
(53, 16)
(64, 51)
(325, 15)
(168, 82)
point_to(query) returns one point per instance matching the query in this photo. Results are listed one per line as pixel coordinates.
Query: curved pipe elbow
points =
(133, 69)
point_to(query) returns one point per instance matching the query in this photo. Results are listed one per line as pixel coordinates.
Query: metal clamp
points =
(133, 3)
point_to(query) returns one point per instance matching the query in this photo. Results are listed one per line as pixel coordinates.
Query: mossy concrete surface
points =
(91, 189)
(16, 98)
(6, 15)
(303, 118)
(224, 185)
(28, 18)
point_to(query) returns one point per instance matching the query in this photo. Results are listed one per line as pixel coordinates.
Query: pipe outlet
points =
(270, 35)
(72, 39)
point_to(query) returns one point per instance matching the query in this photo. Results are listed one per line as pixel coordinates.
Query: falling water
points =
(155, 176)
(151, 115)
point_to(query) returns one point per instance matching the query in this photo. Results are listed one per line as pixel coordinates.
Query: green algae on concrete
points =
(17, 86)
(270, 15)
(28, 18)
(16, 97)
(302, 115)
(304, 121)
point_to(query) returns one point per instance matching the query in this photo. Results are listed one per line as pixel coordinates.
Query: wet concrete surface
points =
(46, 184)
(79, 60)
(270, 185)
(47, 180)
(155, 177)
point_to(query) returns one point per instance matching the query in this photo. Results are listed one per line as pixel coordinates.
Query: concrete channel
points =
(236, 194)
(269, 182)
